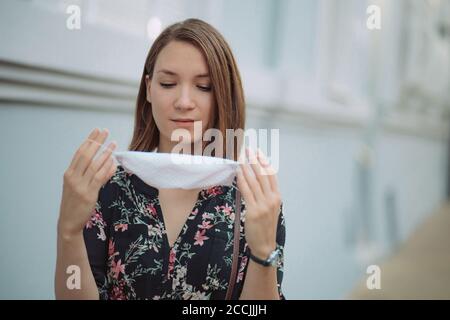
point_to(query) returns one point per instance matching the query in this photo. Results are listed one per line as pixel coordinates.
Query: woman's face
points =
(180, 93)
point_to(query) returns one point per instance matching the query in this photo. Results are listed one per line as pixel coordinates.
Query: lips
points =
(183, 120)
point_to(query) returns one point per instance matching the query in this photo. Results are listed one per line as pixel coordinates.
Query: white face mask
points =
(172, 170)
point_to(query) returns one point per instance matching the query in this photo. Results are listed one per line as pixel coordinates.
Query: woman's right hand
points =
(82, 182)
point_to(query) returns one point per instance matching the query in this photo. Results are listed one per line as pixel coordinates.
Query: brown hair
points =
(229, 109)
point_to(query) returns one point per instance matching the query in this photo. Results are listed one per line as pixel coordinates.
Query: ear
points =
(148, 83)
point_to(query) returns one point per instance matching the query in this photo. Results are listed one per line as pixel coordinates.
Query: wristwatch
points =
(271, 261)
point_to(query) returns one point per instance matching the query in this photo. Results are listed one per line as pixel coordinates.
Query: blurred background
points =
(363, 115)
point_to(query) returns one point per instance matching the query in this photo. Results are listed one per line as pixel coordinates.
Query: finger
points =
(244, 188)
(261, 177)
(111, 171)
(250, 178)
(92, 148)
(76, 157)
(102, 175)
(273, 179)
(262, 158)
(269, 171)
(78, 166)
(98, 163)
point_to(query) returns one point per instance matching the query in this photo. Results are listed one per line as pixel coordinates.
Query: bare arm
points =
(260, 283)
(82, 182)
(71, 250)
(264, 225)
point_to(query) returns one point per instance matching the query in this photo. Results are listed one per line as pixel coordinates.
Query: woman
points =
(133, 241)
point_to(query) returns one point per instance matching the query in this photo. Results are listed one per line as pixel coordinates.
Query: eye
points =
(204, 88)
(170, 85)
(167, 85)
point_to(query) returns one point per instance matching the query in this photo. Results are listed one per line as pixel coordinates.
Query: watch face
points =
(274, 256)
(272, 260)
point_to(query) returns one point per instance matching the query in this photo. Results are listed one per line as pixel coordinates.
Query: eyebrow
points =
(171, 73)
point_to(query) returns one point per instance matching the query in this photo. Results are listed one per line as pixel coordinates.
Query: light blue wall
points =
(317, 175)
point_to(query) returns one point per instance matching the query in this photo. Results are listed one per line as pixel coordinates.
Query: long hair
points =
(229, 102)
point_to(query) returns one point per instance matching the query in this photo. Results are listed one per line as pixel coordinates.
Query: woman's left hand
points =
(258, 185)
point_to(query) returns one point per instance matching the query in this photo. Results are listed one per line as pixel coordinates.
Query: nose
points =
(184, 100)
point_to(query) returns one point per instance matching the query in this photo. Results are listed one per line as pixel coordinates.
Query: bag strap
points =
(237, 236)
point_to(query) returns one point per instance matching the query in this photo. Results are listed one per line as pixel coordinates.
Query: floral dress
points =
(130, 255)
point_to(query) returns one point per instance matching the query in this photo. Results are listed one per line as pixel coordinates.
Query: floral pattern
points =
(130, 255)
